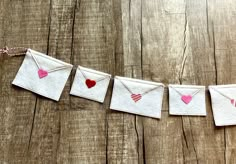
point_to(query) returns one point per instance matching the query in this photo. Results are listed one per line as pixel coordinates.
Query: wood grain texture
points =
(171, 41)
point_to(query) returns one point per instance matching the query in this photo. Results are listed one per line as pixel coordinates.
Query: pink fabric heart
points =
(186, 99)
(233, 102)
(136, 97)
(42, 73)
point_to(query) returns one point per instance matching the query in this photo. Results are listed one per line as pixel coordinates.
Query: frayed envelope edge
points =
(29, 51)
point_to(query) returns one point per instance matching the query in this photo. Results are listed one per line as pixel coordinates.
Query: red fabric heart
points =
(136, 97)
(42, 73)
(186, 98)
(90, 83)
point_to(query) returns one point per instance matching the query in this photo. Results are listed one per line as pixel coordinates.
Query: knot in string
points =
(4, 50)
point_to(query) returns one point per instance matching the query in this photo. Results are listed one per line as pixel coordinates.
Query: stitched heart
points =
(90, 83)
(233, 102)
(42, 73)
(136, 97)
(186, 98)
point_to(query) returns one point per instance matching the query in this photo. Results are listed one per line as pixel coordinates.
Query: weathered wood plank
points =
(163, 26)
(223, 28)
(46, 130)
(83, 127)
(126, 130)
(23, 24)
(176, 34)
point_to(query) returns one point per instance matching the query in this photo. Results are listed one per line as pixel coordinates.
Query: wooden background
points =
(169, 41)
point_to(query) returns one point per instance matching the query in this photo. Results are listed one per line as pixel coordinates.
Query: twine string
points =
(19, 51)
(128, 89)
(49, 71)
(36, 62)
(57, 69)
(15, 51)
(181, 94)
(85, 77)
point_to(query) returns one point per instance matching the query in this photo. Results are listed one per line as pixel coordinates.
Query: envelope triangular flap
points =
(187, 89)
(93, 74)
(228, 90)
(138, 86)
(47, 62)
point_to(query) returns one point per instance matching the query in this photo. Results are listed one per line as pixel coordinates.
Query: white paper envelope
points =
(223, 98)
(43, 74)
(187, 100)
(137, 96)
(90, 84)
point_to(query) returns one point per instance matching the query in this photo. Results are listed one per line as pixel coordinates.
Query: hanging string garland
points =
(47, 77)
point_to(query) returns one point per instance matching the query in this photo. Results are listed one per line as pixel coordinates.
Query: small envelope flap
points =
(186, 89)
(225, 93)
(132, 83)
(45, 61)
(186, 86)
(90, 73)
(224, 88)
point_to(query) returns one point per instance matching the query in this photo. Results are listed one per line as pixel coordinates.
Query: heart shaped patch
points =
(42, 73)
(90, 83)
(233, 102)
(136, 97)
(186, 99)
